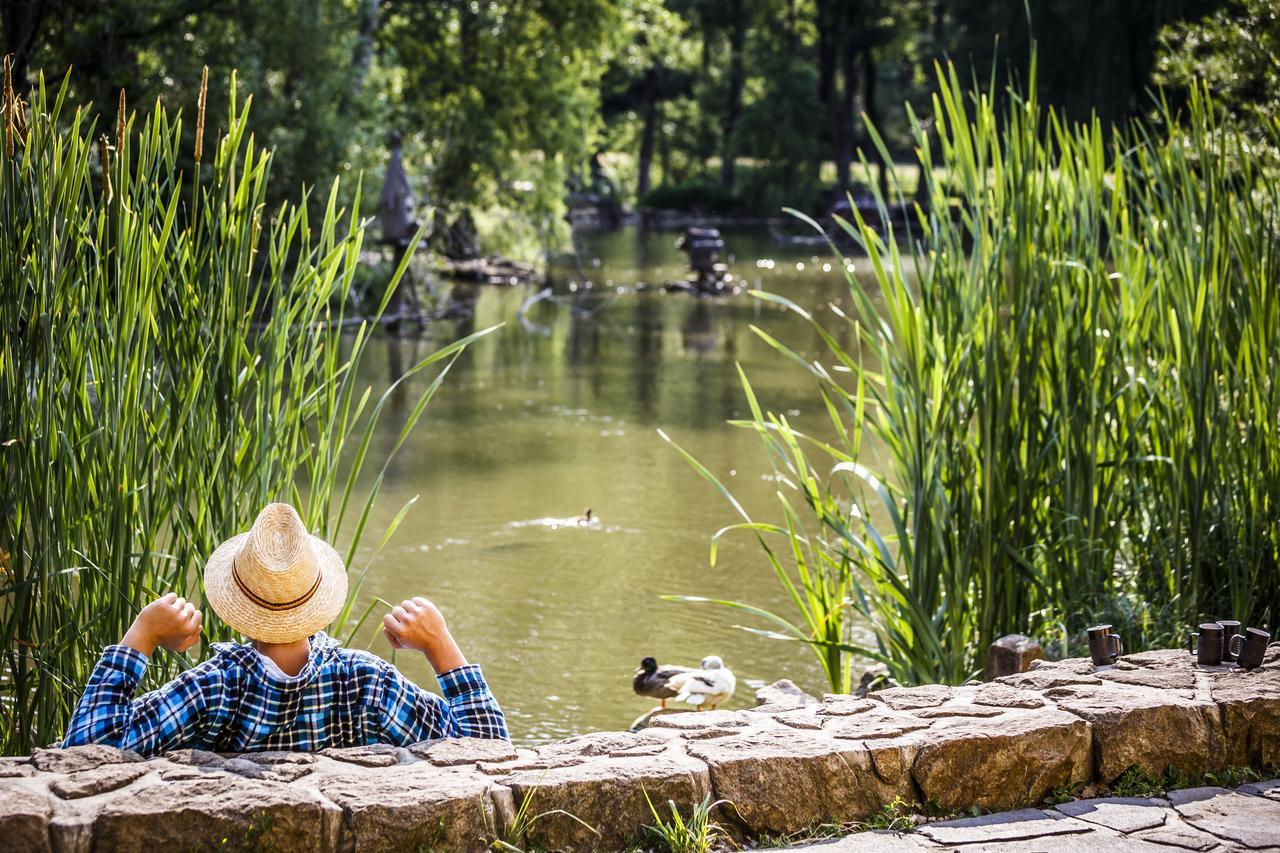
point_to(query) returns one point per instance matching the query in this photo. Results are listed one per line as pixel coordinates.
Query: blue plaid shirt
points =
(234, 703)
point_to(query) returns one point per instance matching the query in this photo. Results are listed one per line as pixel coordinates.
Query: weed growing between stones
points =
(515, 835)
(698, 834)
(1136, 782)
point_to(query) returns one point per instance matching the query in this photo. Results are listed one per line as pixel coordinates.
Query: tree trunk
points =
(645, 162)
(872, 109)
(733, 109)
(842, 135)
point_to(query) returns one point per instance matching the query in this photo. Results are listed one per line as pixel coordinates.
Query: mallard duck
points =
(704, 688)
(651, 679)
(585, 518)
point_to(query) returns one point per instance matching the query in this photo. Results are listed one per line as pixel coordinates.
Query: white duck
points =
(707, 687)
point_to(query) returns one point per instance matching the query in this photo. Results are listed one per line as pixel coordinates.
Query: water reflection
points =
(558, 411)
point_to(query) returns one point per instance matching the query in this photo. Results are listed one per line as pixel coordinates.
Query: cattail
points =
(120, 121)
(204, 91)
(8, 107)
(104, 151)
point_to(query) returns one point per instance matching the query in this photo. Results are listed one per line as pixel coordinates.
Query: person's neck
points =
(290, 657)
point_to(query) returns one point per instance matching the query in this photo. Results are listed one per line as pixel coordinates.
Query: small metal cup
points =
(1250, 647)
(1207, 644)
(1230, 628)
(1104, 646)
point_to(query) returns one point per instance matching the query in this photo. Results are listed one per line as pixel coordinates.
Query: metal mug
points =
(1230, 628)
(1104, 646)
(1250, 647)
(1207, 644)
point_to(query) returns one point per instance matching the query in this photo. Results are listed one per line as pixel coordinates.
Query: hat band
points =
(273, 605)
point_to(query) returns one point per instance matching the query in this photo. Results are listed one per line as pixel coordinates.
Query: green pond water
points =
(559, 411)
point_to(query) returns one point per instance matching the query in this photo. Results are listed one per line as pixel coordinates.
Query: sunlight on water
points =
(548, 417)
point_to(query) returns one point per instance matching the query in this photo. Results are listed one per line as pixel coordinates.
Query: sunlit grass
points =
(1071, 377)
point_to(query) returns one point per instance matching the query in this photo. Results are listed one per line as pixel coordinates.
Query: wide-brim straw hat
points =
(276, 582)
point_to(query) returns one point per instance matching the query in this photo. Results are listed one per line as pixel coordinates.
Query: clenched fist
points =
(169, 622)
(418, 624)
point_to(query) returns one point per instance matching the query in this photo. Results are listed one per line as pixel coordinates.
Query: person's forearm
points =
(138, 640)
(445, 655)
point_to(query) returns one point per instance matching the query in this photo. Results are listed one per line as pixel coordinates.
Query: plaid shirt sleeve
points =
(160, 720)
(410, 714)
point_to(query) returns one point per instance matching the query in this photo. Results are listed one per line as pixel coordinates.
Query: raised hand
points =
(169, 622)
(418, 624)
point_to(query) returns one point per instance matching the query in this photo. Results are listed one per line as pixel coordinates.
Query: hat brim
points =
(275, 626)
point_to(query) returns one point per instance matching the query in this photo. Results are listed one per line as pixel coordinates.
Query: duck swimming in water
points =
(585, 519)
(651, 679)
(707, 687)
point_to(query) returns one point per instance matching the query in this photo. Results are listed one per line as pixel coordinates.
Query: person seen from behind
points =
(292, 687)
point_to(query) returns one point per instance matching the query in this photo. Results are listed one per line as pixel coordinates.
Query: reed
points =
(171, 359)
(1065, 377)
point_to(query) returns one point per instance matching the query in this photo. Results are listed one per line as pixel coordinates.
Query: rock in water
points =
(1011, 654)
(783, 692)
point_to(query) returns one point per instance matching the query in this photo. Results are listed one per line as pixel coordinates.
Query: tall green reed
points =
(173, 357)
(1066, 371)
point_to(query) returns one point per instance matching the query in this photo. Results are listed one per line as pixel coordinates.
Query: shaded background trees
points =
(725, 105)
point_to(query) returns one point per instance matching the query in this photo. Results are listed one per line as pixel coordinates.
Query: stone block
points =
(780, 781)
(225, 813)
(1122, 814)
(1250, 705)
(783, 692)
(24, 818)
(75, 758)
(1233, 818)
(1002, 762)
(98, 780)
(611, 796)
(452, 752)
(1152, 729)
(414, 806)
(1010, 826)
(1011, 654)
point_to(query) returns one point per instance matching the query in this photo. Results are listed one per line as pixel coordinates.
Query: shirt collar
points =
(323, 649)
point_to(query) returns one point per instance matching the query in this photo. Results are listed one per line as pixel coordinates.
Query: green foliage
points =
(1136, 782)
(696, 834)
(898, 816)
(1235, 52)
(1069, 383)
(172, 359)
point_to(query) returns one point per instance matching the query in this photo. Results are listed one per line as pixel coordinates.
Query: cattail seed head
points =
(120, 121)
(204, 91)
(9, 109)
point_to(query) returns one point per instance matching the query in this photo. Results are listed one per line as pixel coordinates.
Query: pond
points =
(559, 411)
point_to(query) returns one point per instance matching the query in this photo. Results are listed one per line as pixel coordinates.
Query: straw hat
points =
(276, 583)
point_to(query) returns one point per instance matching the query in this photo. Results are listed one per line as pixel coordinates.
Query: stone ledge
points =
(780, 768)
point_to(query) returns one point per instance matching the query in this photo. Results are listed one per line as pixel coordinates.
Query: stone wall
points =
(783, 767)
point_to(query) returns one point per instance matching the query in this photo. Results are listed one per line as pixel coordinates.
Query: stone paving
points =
(1205, 820)
(785, 766)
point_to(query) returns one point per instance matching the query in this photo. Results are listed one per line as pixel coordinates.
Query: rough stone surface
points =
(1002, 762)
(785, 766)
(1250, 705)
(1011, 654)
(98, 780)
(779, 783)
(1010, 826)
(24, 818)
(78, 758)
(245, 813)
(1142, 727)
(417, 806)
(783, 692)
(464, 750)
(1253, 822)
(1123, 814)
(608, 795)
